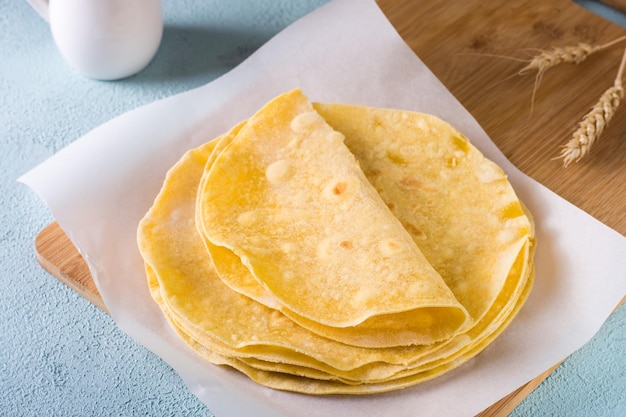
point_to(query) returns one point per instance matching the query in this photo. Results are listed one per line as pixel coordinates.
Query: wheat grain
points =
(592, 125)
(558, 55)
(547, 59)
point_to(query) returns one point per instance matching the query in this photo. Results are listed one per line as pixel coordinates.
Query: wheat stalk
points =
(545, 60)
(594, 122)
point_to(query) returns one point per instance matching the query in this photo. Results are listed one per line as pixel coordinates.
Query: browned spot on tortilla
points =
(414, 230)
(345, 244)
(340, 188)
(410, 183)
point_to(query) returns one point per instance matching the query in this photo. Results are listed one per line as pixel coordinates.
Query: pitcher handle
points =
(41, 7)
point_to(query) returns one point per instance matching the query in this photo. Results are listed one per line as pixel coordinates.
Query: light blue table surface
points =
(60, 355)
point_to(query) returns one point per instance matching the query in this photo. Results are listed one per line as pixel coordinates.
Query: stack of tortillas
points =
(337, 249)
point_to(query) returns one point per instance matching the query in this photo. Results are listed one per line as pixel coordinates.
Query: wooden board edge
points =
(58, 256)
(507, 404)
(619, 5)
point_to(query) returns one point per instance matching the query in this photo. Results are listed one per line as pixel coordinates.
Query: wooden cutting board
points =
(469, 46)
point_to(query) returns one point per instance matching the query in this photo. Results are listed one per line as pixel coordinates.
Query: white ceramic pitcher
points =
(104, 39)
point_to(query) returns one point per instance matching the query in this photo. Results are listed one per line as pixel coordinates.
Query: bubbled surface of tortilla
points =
(290, 201)
(458, 206)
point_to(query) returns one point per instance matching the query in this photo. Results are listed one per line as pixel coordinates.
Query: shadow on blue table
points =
(198, 53)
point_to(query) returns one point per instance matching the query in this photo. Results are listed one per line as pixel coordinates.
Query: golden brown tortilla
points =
(457, 208)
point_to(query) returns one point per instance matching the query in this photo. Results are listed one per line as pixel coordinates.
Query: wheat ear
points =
(574, 54)
(563, 54)
(594, 122)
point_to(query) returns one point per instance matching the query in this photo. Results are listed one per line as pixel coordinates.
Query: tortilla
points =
(457, 208)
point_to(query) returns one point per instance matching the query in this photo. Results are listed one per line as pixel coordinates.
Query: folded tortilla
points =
(285, 203)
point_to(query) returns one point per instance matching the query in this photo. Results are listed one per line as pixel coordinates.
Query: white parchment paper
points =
(100, 186)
